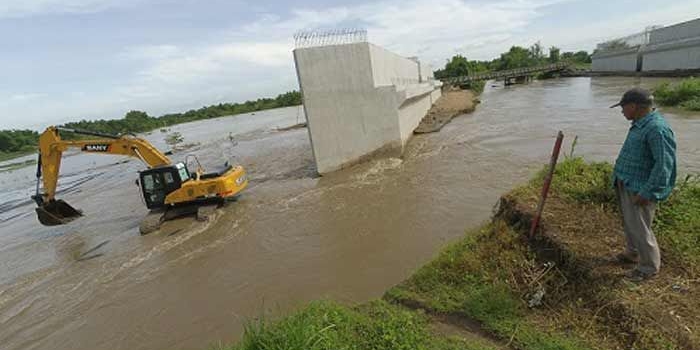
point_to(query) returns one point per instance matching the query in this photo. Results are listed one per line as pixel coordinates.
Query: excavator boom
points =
(51, 211)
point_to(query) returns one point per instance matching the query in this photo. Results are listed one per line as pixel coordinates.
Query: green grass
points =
(677, 222)
(468, 278)
(18, 165)
(691, 105)
(582, 66)
(477, 87)
(685, 94)
(12, 155)
(546, 75)
(579, 181)
(325, 325)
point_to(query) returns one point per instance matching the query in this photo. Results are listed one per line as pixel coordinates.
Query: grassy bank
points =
(16, 165)
(477, 87)
(685, 94)
(559, 290)
(479, 278)
(326, 325)
(581, 65)
(12, 155)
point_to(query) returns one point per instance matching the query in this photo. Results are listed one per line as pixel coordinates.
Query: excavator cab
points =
(157, 183)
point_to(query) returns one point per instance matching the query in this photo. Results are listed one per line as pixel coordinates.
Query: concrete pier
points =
(361, 99)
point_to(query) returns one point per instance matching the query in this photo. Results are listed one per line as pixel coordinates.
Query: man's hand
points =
(639, 200)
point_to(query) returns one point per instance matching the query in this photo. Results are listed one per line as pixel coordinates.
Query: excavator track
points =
(152, 222)
(206, 212)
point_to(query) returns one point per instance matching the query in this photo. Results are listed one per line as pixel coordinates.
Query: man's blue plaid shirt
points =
(647, 160)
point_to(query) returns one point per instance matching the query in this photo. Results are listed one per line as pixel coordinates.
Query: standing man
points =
(645, 173)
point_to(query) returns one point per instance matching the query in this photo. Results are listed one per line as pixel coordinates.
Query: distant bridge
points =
(509, 76)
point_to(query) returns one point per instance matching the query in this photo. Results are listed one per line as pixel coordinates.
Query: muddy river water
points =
(292, 237)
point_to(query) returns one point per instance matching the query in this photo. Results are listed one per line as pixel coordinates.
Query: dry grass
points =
(581, 235)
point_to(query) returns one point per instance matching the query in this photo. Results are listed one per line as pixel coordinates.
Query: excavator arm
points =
(51, 211)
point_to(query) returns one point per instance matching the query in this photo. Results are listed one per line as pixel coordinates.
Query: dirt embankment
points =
(452, 103)
(562, 289)
(585, 287)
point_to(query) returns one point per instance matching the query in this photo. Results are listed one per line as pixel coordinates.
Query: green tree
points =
(136, 116)
(458, 66)
(18, 140)
(536, 51)
(516, 57)
(613, 45)
(582, 57)
(554, 54)
(576, 57)
(7, 143)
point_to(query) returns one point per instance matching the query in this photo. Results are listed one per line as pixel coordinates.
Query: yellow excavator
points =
(169, 189)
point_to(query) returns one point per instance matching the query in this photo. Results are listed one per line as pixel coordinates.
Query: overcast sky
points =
(66, 60)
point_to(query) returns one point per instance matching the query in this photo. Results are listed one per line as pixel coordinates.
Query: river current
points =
(292, 236)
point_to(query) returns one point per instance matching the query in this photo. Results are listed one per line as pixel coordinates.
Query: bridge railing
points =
(507, 73)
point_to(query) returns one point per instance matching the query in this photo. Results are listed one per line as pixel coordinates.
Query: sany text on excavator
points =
(169, 190)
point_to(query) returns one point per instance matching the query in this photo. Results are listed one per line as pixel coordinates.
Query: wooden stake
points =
(547, 183)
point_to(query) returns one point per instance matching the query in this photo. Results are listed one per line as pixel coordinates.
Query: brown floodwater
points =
(292, 237)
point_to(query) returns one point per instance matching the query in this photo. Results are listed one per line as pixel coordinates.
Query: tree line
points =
(516, 57)
(13, 141)
(18, 140)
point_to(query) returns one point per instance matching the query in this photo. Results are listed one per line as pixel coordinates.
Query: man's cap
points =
(634, 95)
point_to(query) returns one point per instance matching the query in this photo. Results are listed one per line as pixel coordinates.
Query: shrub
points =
(580, 181)
(692, 105)
(686, 93)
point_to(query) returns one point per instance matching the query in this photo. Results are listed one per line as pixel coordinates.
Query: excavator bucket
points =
(57, 212)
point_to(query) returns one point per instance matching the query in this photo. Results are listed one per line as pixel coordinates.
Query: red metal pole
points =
(547, 182)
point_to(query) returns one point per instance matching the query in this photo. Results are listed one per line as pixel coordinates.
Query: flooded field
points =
(292, 236)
